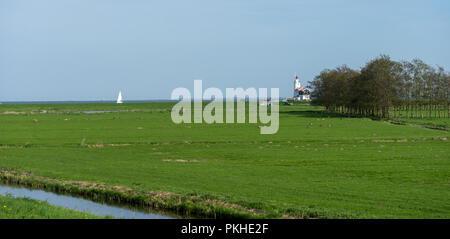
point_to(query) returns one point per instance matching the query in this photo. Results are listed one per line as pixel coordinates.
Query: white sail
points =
(119, 98)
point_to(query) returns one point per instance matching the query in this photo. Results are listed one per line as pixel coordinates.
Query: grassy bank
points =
(317, 165)
(24, 208)
(191, 205)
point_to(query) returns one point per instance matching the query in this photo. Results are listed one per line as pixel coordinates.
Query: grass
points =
(317, 165)
(24, 208)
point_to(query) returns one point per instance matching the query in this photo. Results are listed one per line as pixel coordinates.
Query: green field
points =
(317, 165)
(24, 208)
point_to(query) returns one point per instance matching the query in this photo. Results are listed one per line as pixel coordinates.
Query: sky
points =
(59, 50)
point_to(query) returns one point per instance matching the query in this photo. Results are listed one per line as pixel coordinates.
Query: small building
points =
(266, 103)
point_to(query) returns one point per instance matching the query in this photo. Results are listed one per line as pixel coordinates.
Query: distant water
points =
(83, 102)
(100, 111)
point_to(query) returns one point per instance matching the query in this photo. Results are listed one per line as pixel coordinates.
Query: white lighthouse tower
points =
(297, 84)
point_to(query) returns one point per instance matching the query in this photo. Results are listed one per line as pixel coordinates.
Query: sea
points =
(84, 102)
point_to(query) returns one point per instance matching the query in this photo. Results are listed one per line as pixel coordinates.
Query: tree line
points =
(384, 88)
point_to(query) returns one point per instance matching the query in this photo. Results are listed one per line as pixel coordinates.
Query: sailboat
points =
(119, 98)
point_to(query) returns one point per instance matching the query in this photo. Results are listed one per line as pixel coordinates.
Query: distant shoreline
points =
(95, 101)
(82, 102)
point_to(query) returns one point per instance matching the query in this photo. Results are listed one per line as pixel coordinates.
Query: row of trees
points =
(384, 88)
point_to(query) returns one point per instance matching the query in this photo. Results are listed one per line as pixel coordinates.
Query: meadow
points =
(318, 165)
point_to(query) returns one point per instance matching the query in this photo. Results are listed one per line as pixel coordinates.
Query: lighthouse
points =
(300, 94)
(297, 84)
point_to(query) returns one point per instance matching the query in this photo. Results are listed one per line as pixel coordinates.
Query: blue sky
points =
(91, 49)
